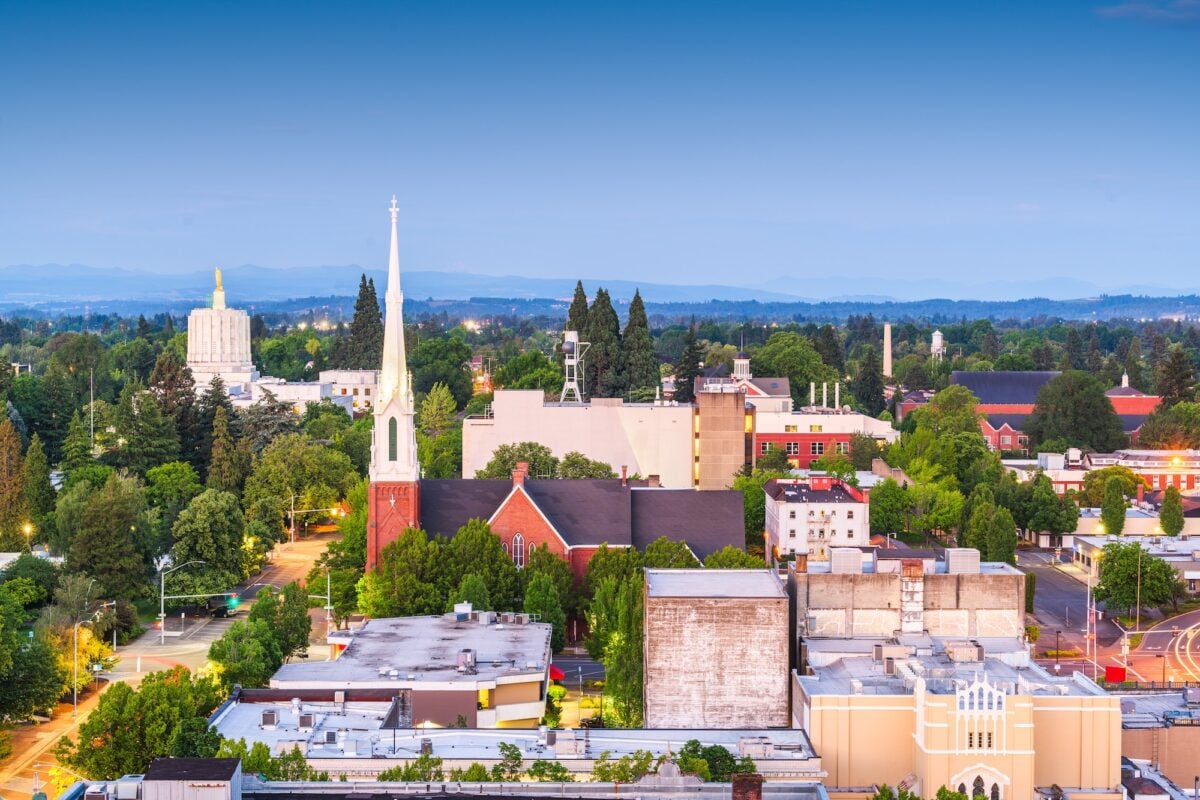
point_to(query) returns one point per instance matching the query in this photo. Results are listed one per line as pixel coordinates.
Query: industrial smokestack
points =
(887, 349)
(824, 394)
(812, 393)
(837, 395)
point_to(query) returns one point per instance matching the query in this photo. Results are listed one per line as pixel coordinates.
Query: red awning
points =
(556, 674)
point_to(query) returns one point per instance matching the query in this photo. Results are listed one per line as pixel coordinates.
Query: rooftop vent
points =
(306, 722)
(331, 737)
(427, 747)
(270, 719)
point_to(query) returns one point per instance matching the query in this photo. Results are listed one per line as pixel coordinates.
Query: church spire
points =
(394, 454)
(393, 378)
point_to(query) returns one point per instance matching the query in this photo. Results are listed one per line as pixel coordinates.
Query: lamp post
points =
(333, 512)
(162, 598)
(1138, 612)
(328, 598)
(75, 650)
(1057, 648)
(27, 529)
(1164, 667)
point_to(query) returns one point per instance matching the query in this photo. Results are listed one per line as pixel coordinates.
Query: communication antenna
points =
(573, 352)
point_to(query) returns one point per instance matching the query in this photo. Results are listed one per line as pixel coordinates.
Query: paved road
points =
(35, 743)
(574, 666)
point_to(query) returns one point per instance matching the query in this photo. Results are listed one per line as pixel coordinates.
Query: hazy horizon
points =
(770, 146)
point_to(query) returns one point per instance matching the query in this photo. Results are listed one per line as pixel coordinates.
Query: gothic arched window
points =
(518, 550)
(995, 791)
(962, 789)
(977, 789)
(392, 438)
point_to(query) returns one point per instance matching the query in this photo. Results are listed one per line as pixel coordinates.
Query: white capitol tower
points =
(219, 343)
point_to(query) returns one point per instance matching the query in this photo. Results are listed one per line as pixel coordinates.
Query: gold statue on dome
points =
(220, 288)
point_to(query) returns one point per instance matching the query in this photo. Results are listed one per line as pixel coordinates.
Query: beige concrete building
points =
(218, 343)
(882, 593)
(716, 649)
(927, 713)
(719, 441)
(1163, 729)
(648, 438)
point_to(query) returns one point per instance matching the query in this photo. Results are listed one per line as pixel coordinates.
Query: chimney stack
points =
(624, 475)
(520, 472)
(653, 481)
(887, 350)
(746, 786)
(824, 395)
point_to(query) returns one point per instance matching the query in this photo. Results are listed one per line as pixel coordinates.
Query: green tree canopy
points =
(1118, 583)
(210, 529)
(1073, 407)
(791, 355)
(640, 362)
(730, 557)
(1095, 484)
(1114, 506)
(1170, 515)
(541, 598)
(542, 462)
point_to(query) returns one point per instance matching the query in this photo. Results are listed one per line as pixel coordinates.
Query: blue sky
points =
(818, 148)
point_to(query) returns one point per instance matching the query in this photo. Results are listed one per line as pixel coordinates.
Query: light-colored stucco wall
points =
(649, 439)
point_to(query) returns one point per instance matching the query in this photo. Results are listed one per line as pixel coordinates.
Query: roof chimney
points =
(624, 475)
(653, 481)
(519, 473)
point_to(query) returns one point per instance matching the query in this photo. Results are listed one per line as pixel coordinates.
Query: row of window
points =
(975, 741)
(796, 428)
(812, 512)
(814, 448)
(518, 551)
(820, 534)
(366, 391)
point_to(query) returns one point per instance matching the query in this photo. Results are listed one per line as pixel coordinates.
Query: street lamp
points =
(333, 512)
(1164, 667)
(1057, 649)
(162, 598)
(27, 529)
(75, 650)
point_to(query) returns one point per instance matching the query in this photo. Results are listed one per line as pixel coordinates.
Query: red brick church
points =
(572, 517)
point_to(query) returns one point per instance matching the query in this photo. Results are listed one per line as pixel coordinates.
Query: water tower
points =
(573, 352)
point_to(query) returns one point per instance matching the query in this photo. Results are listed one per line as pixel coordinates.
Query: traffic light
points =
(232, 601)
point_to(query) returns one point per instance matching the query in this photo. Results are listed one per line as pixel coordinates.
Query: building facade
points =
(812, 516)
(811, 434)
(716, 649)
(359, 385)
(219, 343)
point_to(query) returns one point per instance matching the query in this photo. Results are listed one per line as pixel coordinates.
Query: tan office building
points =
(926, 714)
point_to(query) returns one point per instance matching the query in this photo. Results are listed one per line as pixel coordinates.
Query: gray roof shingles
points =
(1014, 387)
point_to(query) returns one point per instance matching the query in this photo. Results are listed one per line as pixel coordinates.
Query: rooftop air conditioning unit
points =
(427, 747)
(330, 737)
(95, 793)
(889, 666)
(270, 719)
(306, 722)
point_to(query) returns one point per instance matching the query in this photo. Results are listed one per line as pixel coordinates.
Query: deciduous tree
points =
(1114, 506)
(1170, 515)
(1074, 408)
(541, 598)
(730, 557)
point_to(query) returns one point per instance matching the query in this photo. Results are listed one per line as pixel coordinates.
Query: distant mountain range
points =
(53, 289)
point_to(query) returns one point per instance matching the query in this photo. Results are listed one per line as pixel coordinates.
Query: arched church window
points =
(392, 436)
(518, 550)
(995, 791)
(962, 789)
(977, 789)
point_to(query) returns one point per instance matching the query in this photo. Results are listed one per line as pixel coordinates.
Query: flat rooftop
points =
(862, 674)
(358, 733)
(1167, 547)
(870, 567)
(416, 652)
(713, 583)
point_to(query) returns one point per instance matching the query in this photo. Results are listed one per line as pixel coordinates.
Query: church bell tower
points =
(394, 499)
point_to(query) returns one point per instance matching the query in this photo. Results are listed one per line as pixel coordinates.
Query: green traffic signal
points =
(233, 601)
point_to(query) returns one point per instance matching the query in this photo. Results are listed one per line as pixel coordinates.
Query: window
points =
(850, 513)
(793, 448)
(367, 391)
(817, 448)
(792, 534)
(343, 390)
(764, 448)
(843, 447)
(392, 438)
(792, 514)
(356, 392)
(791, 428)
(518, 550)
(970, 741)
(977, 787)
(1005, 441)
(989, 740)
(849, 534)
(815, 428)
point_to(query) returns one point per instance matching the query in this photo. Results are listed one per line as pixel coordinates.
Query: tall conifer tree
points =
(229, 462)
(366, 329)
(604, 356)
(688, 368)
(39, 493)
(174, 390)
(867, 386)
(13, 511)
(641, 365)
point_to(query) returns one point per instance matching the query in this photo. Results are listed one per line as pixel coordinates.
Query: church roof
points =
(587, 513)
(1015, 387)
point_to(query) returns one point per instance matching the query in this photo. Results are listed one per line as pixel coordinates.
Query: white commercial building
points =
(814, 515)
(360, 385)
(647, 438)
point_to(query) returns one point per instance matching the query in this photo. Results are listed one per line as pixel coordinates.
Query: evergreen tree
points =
(438, 410)
(1170, 515)
(688, 368)
(829, 347)
(229, 463)
(57, 399)
(1001, 539)
(1073, 355)
(541, 598)
(39, 493)
(641, 365)
(77, 446)
(603, 361)
(149, 438)
(1094, 359)
(1133, 365)
(1112, 511)
(104, 546)
(213, 397)
(13, 511)
(577, 314)
(366, 329)
(1176, 378)
(143, 327)
(174, 390)
(1074, 408)
(475, 550)
(867, 385)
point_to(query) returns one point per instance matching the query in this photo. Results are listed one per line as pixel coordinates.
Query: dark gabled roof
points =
(1126, 391)
(585, 512)
(802, 492)
(1014, 421)
(775, 387)
(195, 769)
(1131, 422)
(449, 504)
(1005, 387)
(707, 521)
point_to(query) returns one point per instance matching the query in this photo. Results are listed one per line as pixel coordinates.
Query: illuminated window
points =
(392, 435)
(791, 428)
(815, 428)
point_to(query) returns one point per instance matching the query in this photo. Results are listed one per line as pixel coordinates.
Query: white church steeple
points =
(394, 451)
